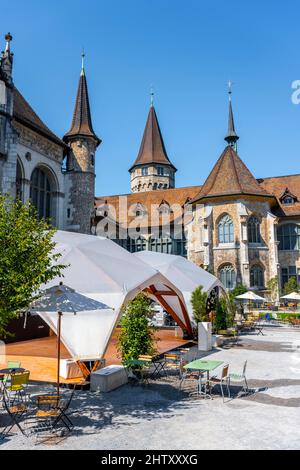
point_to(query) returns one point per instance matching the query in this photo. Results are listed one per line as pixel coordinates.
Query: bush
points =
(199, 304)
(290, 286)
(136, 336)
(224, 316)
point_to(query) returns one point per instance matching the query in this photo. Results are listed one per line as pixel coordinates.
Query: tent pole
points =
(58, 349)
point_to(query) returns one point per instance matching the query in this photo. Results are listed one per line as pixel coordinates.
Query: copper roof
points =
(23, 113)
(82, 121)
(229, 177)
(152, 149)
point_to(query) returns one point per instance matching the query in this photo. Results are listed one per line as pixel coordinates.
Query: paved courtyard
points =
(159, 416)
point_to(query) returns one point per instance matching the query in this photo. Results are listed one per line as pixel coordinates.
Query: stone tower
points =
(152, 170)
(80, 168)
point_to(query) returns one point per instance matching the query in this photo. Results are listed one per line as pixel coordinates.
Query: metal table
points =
(202, 365)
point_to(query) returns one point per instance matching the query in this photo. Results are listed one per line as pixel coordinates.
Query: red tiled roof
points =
(24, 114)
(230, 176)
(277, 186)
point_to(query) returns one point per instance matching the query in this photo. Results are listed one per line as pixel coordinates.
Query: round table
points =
(12, 371)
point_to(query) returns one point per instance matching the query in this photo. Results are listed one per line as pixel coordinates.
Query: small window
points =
(288, 201)
(92, 159)
(254, 230)
(160, 171)
(144, 171)
(69, 213)
(257, 277)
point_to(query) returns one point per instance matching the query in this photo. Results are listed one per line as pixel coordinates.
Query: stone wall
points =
(152, 181)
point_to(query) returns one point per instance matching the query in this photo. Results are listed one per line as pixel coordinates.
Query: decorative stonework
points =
(38, 143)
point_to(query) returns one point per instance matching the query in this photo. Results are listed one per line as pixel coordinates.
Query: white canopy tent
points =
(183, 274)
(292, 296)
(100, 269)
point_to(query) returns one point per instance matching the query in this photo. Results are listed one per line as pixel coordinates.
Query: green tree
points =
(136, 336)
(290, 286)
(26, 258)
(273, 288)
(199, 304)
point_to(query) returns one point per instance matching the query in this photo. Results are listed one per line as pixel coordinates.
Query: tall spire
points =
(152, 149)
(231, 137)
(82, 121)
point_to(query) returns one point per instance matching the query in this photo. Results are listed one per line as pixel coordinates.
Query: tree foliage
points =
(290, 286)
(136, 336)
(26, 258)
(199, 304)
(224, 313)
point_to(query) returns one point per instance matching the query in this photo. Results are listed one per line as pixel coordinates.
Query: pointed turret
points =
(152, 168)
(82, 121)
(231, 137)
(83, 143)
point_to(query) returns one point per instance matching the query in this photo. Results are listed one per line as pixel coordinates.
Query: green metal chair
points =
(240, 378)
(13, 364)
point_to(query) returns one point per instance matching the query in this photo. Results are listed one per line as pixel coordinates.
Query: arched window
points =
(289, 237)
(254, 230)
(19, 181)
(228, 276)
(257, 277)
(40, 192)
(226, 230)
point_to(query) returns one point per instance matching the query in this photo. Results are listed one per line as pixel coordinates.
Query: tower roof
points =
(82, 121)
(152, 149)
(230, 177)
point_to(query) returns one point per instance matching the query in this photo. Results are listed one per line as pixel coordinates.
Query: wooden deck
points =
(39, 355)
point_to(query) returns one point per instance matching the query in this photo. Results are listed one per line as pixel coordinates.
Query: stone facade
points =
(146, 178)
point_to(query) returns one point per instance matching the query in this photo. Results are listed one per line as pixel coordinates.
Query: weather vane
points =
(152, 95)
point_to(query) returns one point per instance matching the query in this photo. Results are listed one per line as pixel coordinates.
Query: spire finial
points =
(82, 61)
(8, 39)
(231, 137)
(151, 96)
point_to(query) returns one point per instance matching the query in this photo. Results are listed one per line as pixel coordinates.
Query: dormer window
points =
(288, 199)
(164, 208)
(138, 210)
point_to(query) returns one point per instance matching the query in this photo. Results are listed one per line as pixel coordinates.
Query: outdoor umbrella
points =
(81, 334)
(292, 296)
(251, 297)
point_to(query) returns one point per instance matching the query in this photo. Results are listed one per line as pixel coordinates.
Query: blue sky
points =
(188, 50)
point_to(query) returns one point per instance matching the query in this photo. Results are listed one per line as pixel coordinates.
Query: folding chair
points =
(52, 410)
(13, 364)
(16, 413)
(190, 376)
(18, 385)
(224, 380)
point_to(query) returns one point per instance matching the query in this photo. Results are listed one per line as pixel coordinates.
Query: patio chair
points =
(13, 364)
(52, 411)
(240, 378)
(18, 385)
(172, 363)
(16, 413)
(223, 380)
(190, 377)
